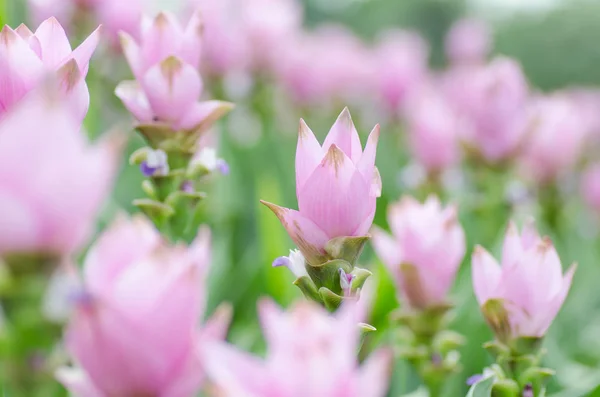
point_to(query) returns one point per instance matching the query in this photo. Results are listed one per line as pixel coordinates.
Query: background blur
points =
(557, 44)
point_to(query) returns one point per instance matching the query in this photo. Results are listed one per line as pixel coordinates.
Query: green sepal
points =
(155, 210)
(483, 388)
(497, 349)
(506, 388)
(196, 170)
(447, 341)
(414, 354)
(139, 156)
(148, 188)
(360, 277)
(497, 318)
(330, 299)
(156, 134)
(328, 274)
(526, 345)
(308, 288)
(365, 328)
(536, 377)
(346, 248)
(164, 185)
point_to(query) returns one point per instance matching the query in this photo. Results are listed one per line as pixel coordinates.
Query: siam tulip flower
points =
(401, 65)
(468, 41)
(309, 354)
(556, 133)
(521, 297)
(134, 331)
(49, 204)
(425, 251)
(492, 99)
(26, 57)
(590, 186)
(433, 130)
(167, 86)
(337, 185)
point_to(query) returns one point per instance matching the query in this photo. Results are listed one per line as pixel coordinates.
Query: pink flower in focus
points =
(167, 85)
(337, 185)
(52, 182)
(590, 186)
(433, 130)
(134, 331)
(468, 41)
(556, 132)
(529, 285)
(425, 251)
(401, 65)
(310, 353)
(26, 57)
(492, 100)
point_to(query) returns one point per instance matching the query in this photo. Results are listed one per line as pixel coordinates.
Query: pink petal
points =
(172, 87)
(486, 275)
(367, 222)
(308, 155)
(375, 373)
(336, 196)
(387, 249)
(309, 238)
(512, 249)
(20, 229)
(54, 42)
(73, 85)
(161, 39)
(529, 234)
(270, 316)
(133, 54)
(134, 100)
(343, 134)
(192, 40)
(30, 38)
(217, 325)
(202, 115)
(77, 382)
(366, 164)
(83, 53)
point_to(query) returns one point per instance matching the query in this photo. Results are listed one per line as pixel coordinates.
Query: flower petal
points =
(309, 238)
(366, 164)
(134, 100)
(374, 377)
(336, 196)
(387, 249)
(54, 42)
(343, 134)
(161, 39)
(486, 275)
(83, 53)
(192, 40)
(133, 54)
(202, 115)
(308, 155)
(512, 249)
(172, 87)
(77, 382)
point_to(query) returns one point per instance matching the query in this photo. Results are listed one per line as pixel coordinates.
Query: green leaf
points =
(483, 388)
(346, 248)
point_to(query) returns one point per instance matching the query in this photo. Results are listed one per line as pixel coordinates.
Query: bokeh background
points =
(557, 43)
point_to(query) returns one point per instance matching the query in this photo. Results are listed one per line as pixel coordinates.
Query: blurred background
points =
(556, 43)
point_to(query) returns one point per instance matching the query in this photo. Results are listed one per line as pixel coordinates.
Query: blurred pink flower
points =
(52, 182)
(401, 64)
(468, 41)
(425, 251)
(433, 129)
(556, 132)
(134, 331)
(590, 186)
(310, 353)
(167, 85)
(337, 185)
(492, 100)
(26, 57)
(529, 285)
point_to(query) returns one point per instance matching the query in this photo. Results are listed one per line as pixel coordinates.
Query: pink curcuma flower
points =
(167, 85)
(492, 99)
(425, 251)
(337, 185)
(556, 133)
(52, 181)
(134, 330)
(433, 130)
(26, 57)
(521, 297)
(590, 186)
(468, 41)
(310, 353)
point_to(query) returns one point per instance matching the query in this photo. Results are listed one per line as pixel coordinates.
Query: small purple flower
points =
(528, 391)
(156, 164)
(80, 297)
(223, 167)
(474, 379)
(281, 261)
(346, 281)
(295, 262)
(187, 187)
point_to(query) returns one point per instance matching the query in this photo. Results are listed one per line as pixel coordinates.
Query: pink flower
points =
(530, 285)
(167, 85)
(492, 99)
(26, 57)
(590, 186)
(134, 330)
(468, 41)
(310, 353)
(425, 251)
(556, 132)
(401, 65)
(337, 185)
(433, 129)
(52, 181)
